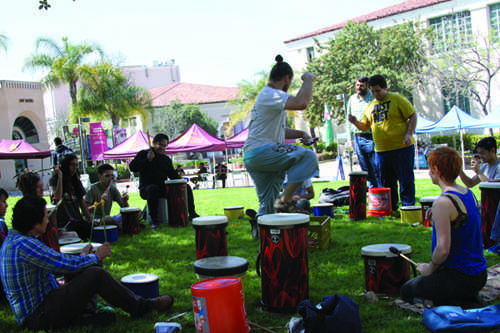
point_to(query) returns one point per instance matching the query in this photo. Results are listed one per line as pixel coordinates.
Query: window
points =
(495, 19)
(451, 31)
(310, 54)
(458, 98)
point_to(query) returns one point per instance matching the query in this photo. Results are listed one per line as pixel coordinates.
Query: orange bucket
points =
(379, 201)
(219, 306)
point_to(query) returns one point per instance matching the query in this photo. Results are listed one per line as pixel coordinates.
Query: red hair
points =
(447, 161)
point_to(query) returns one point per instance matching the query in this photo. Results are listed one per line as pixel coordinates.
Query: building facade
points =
(23, 118)
(451, 20)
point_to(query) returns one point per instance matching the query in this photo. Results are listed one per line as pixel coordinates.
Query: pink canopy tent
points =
(20, 149)
(129, 148)
(195, 139)
(238, 141)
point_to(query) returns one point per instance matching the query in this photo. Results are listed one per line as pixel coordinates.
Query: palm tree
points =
(3, 42)
(105, 91)
(64, 62)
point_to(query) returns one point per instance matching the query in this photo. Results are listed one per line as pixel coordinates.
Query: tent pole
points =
(462, 145)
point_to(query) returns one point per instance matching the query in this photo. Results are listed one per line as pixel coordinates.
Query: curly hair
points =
(27, 182)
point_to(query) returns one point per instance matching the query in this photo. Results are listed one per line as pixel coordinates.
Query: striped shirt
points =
(26, 267)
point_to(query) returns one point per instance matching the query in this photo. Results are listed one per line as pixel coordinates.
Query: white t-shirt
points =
(492, 172)
(268, 119)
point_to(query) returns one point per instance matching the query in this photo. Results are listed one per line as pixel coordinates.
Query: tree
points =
(44, 4)
(106, 92)
(398, 53)
(64, 62)
(176, 118)
(469, 69)
(3, 42)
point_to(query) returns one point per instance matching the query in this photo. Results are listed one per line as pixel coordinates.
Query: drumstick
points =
(397, 252)
(55, 208)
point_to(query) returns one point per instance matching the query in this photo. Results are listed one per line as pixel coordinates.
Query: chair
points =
(240, 177)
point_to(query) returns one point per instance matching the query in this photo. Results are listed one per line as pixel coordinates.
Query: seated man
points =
(155, 168)
(303, 195)
(488, 171)
(105, 190)
(221, 173)
(180, 170)
(202, 171)
(36, 298)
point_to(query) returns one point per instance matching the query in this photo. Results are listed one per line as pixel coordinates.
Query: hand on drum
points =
(103, 251)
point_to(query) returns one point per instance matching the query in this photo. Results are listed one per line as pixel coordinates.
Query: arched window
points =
(25, 129)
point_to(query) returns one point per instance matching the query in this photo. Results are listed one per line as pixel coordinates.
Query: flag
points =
(328, 126)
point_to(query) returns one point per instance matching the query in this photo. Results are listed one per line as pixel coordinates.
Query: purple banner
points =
(98, 141)
(120, 135)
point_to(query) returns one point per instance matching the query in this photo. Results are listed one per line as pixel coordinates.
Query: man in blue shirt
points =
(38, 301)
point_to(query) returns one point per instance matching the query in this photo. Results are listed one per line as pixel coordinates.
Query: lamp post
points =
(83, 140)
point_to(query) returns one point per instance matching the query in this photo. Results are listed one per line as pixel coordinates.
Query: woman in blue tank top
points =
(457, 270)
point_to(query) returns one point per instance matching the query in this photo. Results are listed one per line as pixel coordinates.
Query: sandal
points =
(287, 207)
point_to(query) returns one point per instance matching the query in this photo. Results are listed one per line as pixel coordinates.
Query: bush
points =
(332, 147)
(123, 171)
(191, 163)
(92, 172)
(320, 146)
(470, 140)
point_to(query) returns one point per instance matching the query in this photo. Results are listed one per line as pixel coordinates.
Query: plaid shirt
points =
(26, 267)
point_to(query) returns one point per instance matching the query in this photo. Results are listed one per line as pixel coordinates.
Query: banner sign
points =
(98, 141)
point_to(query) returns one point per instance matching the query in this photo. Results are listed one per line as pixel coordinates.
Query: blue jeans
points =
(397, 165)
(365, 149)
(495, 230)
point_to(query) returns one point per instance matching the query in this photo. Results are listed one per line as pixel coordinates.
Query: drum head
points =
(70, 240)
(175, 181)
(358, 173)
(130, 210)
(210, 220)
(77, 248)
(410, 208)
(382, 250)
(323, 205)
(283, 219)
(140, 278)
(492, 185)
(108, 227)
(220, 266)
(429, 199)
(233, 207)
(50, 208)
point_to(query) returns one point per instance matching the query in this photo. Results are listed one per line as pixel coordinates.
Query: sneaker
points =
(251, 213)
(164, 302)
(495, 249)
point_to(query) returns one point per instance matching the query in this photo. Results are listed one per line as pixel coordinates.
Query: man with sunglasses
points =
(106, 190)
(155, 168)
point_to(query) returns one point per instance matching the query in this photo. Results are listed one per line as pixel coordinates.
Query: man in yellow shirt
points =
(392, 120)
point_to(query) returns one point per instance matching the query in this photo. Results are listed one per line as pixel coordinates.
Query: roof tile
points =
(188, 93)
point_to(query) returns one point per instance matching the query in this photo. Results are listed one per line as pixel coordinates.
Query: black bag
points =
(338, 197)
(337, 314)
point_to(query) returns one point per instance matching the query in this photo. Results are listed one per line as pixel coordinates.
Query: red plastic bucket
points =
(379, 201)
(219, 306)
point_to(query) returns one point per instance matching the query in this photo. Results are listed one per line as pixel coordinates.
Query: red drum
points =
(357, 195)
(177, 202)
(283, 260)
(490, 196)
(426, 203)
(50, 236)
(130, 220)
(385, 272)
(210, 236)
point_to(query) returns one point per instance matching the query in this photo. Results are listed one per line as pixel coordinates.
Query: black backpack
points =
(338, 197)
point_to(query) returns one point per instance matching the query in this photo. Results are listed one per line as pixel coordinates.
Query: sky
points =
(217, 42)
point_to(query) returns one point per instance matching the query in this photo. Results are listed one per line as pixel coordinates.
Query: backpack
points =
(338, 197)
(59, 154)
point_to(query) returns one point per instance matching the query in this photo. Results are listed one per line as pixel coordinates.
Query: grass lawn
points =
(339, 269)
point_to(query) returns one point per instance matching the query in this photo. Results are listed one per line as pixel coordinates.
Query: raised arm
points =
(303, 97)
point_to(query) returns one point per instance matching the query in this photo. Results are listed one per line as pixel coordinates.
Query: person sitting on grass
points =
(36, 298)
(105, 190)
(457, 271)
(4, 230)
